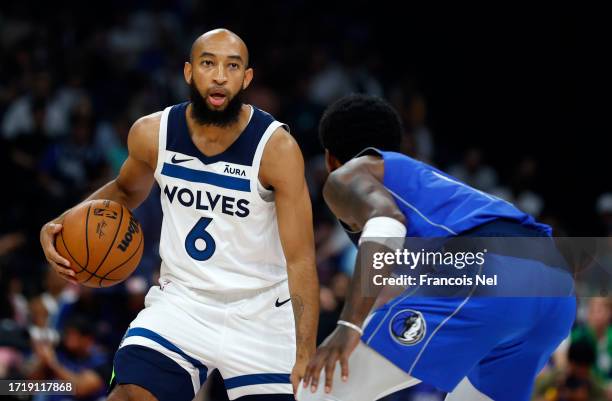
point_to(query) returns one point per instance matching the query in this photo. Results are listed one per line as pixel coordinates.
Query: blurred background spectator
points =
(77, 359)
(574, 383)
(596, 331)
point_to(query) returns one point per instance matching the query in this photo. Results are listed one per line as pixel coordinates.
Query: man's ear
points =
(187, 71)
(248, 77)
(331, 162)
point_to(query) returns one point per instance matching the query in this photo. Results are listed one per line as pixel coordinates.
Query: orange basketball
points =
(103, 242)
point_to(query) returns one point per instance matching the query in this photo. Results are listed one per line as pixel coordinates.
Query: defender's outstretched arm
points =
(356, 195)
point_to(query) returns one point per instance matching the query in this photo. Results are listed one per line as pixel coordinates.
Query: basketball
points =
(103, 242)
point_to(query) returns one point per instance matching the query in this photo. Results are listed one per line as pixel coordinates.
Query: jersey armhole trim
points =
(257, 160)
(161, 144)
(369, 151)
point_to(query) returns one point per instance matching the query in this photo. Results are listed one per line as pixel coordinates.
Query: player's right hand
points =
(47, 241)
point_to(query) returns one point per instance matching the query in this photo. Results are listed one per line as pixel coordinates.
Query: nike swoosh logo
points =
(279, 304)
(176, 161)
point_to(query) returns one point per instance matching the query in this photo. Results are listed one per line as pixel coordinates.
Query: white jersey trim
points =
(261, 193)
(161, 143)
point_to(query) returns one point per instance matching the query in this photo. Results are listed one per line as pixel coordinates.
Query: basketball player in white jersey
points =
(238, 289)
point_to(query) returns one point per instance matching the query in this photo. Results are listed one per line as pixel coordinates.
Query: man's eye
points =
(233, 65)
(207, 63)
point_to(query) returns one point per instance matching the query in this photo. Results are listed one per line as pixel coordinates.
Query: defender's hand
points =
(338, 346)
(47, 241)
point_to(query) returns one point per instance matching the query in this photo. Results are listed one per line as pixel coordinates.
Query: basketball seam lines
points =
(127, 260)
(70, 254)
(109, 248)
(83, 269)
(87, 234)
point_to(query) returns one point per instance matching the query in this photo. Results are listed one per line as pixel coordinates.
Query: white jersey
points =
(219, 235)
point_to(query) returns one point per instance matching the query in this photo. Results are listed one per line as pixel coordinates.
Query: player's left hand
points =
(338, 346)
(298, 371)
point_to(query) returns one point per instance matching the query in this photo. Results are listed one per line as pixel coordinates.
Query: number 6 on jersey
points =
(196, 233)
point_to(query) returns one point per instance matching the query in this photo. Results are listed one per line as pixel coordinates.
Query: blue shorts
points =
(499, 343)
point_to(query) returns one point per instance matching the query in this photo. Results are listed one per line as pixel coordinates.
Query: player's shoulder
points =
(281, 159)
(369, 164)
(281, 142)
(144, 136)
(281, 151)
(147, 125)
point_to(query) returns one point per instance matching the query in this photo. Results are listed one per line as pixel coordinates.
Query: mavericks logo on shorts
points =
(408, 327)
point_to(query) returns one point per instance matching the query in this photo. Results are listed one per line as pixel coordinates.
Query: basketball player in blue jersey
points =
(238, 287)
(475, 348)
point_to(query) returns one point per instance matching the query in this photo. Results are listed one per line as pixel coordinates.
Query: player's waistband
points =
(503, 228)
(510, 238)
(172, 285)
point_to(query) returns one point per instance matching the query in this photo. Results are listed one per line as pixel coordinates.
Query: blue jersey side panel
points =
(438, 205)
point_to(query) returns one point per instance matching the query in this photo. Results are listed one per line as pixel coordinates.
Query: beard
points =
(204, 115)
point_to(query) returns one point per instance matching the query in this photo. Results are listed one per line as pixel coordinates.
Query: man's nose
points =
(220, 77)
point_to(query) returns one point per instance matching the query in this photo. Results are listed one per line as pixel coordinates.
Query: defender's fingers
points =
(330, 366)
(307, 374)
(310, 370)
(344, 367)
(316, 371)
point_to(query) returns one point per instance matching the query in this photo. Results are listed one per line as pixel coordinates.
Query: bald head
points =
(217, 72)
(220, 39)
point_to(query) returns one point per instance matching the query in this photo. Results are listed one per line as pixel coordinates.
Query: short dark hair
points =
(82, 324)
(581, 353)
(357, 122)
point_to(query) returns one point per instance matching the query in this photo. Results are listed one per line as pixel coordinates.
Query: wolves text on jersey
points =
(205, 200)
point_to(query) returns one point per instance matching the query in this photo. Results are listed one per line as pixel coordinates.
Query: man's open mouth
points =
(217, 98)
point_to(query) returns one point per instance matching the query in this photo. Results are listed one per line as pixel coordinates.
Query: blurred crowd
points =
(70, 88)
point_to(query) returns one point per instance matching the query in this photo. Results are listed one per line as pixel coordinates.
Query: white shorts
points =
(251, 341)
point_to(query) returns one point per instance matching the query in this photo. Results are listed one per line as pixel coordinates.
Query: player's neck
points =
(213, 133)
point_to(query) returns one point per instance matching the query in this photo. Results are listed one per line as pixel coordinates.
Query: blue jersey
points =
(438, 205)
(487, 332)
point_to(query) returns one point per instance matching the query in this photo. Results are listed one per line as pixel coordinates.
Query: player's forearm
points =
(115, 192)
(362, 293)
(304, 290)
(111, 191)
(357, 305)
